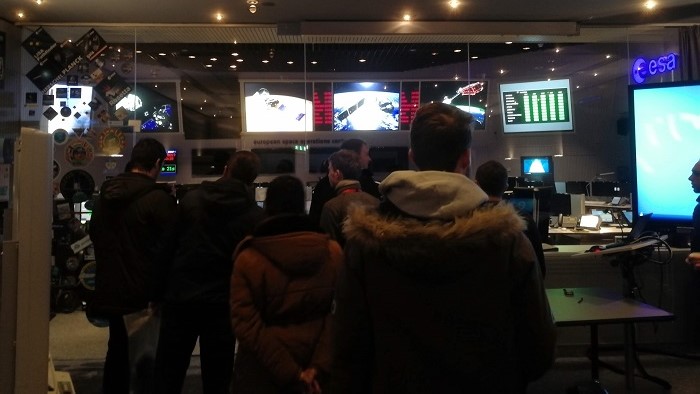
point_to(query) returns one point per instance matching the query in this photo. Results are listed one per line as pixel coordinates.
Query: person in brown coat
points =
(281, 294)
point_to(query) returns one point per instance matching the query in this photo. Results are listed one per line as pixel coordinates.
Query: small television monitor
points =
(169, 165)
(317, 158)
(665, 140)
(366, 106)
(210, 161)
(536, 106)
(469, 96)
(536, 165)
(276, 160)
(387, 159)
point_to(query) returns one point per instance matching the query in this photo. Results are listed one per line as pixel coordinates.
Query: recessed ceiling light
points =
(208, 65)
(577, 86)
(38, 2)
(595, 74)
(184, 88)
(509, 42)
(501, 71)
(453, 3)
(608, 56)
(650, 4)
(232, 66)
(234, 54)
(290, 62)
(213, 59)
(362, 60)
(457, 50)
(434, 53)
(526, 48)
(219, 16)
(557, 50)
(407, 17)
(192, 56)
(161, 54)
(155, 86)
(266, 61)
(475, 57)
(20, 15)
(314, 62)
(139, 51)
(239, 60)
(552, 68)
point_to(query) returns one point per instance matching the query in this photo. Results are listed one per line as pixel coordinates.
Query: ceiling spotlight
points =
(407, 17)
(453, 3)
(20, 15)
(252, 6)
(219, 16)
(650, 5)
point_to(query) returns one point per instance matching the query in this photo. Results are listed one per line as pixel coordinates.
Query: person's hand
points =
(693, 260)
(308, 378)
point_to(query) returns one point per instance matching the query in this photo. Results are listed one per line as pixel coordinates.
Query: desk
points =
(590, 306)
(606, 205)
(591, 237)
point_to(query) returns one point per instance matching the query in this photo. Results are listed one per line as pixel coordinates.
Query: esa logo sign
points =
(643, 68)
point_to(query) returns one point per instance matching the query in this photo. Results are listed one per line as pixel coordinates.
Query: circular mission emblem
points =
(111, 141)
(79, 152)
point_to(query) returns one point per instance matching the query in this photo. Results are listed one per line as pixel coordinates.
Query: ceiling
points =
(179, 39)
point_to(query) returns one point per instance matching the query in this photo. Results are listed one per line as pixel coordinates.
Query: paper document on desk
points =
(549, 248)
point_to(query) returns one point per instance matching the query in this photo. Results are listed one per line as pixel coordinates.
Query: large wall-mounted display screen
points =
(365, 106)
(666, 135)
(468, 96)
(278, 106)
(354, 106)
(537, 106)
(153, 104)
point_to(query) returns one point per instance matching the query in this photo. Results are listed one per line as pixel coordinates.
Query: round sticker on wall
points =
(79, 152)
(60, 136)
(77, 181)
(87, 275)
(111, 141)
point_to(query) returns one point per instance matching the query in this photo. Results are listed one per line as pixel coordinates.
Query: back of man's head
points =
(347, 162)
(146, 153)
(285, 194)
(440, 133)
(354, 145)
(492, 177)
(243, 165)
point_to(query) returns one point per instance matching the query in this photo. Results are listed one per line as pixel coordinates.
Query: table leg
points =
(595, 363)
(629, 358)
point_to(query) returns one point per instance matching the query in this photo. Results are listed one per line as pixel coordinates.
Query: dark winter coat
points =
(212, 220)
(128, 225)
(439, 294)
(281, 295)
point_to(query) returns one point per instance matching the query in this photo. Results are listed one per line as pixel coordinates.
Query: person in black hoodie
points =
(323, 191)
(212, 220)
(127, 227)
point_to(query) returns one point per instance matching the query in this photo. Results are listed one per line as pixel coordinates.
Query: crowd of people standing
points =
(379, 288)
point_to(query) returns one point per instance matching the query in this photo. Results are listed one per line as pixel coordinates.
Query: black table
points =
(590, 306)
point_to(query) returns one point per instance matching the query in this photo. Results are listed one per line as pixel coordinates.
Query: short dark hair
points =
(440, 133)
(347, 162)
(492, 178)
(354, 145)
(243, 165)
(145, 154)
(285, 194)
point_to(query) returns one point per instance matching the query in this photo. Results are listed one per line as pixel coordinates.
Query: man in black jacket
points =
(128, 222)
(492, 178)
(212, 220)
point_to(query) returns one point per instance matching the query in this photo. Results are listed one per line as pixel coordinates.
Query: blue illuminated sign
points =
(643, 68)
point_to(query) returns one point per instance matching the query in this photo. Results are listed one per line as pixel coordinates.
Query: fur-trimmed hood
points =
(434, 248)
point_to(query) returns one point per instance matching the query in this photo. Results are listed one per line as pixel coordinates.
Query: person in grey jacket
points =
(440, 293)
(343, 173)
